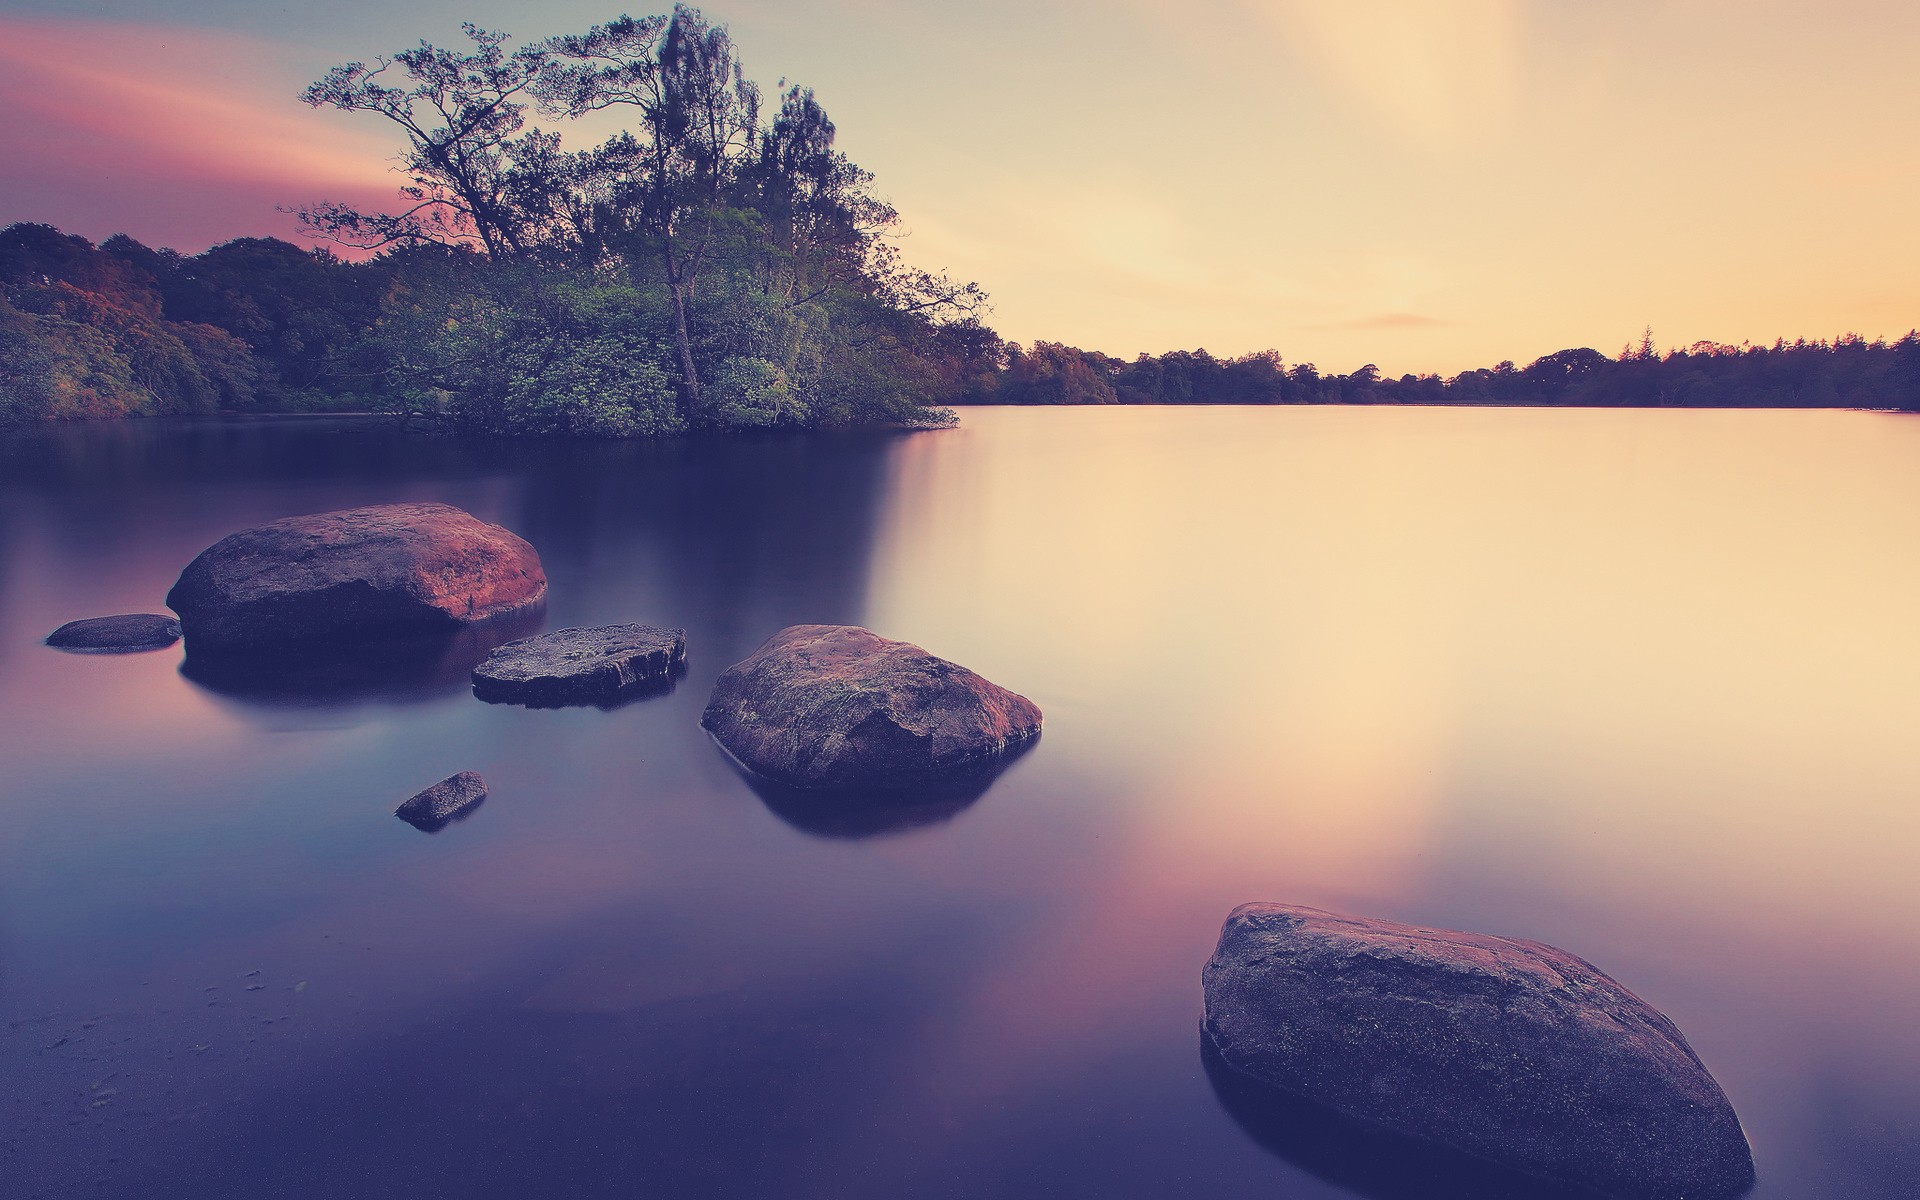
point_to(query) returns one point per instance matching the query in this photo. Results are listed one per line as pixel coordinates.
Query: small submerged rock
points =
(838, 707)
(1507, 1050)
(389, 569)
(451, 798)
(581, 666)
(125, 634)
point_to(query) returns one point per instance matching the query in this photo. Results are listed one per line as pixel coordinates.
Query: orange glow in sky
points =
(1425, 186)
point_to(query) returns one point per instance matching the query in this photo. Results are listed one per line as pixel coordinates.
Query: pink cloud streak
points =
(180, 137)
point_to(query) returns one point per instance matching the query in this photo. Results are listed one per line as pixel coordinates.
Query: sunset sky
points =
(1426, 185)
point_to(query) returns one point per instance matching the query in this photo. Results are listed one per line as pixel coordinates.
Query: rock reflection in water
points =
(851, 814)
(401, 670)
(1365, 1159)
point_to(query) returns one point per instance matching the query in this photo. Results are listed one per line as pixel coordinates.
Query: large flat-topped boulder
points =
(388, 569)
(581, 666)
(1507, 1050)
(127, 633)
(839, 707)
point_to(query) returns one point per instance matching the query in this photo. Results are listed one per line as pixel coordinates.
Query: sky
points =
(1424, 185)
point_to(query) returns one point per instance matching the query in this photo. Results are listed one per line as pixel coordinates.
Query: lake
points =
(1644, 685)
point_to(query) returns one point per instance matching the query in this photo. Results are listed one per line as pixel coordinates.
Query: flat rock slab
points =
(124, 634)
(837, 707)
(1511, 1051)
(388, 569)
(581, 666)
(452, 797)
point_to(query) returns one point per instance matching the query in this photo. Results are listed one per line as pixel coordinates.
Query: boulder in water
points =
(390, 569)
(1507, 1050)
(123, 634)
(451, 798)
(838, 707)
(581, 666)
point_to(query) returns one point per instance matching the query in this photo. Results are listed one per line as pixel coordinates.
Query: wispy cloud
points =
(196, 132)
(1441, 75)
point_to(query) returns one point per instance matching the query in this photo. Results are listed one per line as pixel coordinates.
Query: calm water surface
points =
(1644, 685)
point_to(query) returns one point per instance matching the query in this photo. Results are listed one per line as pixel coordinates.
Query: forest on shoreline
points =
(263, 325)
(717, 265)
(714, 264)
(1847, 372)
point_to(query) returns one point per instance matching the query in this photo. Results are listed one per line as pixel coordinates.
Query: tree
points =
(698, 119)
(699, 196)
(1051, 373)
(85, 334)
(473, 176)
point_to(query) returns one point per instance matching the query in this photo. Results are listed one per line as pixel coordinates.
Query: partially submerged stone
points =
(839, 707)
(385, 570)
(1508, 1050)
(452, 797)
(581, 666)
(124, 634)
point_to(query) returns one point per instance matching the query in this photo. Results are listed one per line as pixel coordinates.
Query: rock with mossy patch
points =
(600, 665)
(391, 569)
(1510, 1051)
(128, 633)
(837, 707)
(450, 799)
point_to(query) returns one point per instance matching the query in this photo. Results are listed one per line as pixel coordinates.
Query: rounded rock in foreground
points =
(446, 801)
(837, 707)
(581, 666)
(1507, 1050)
(387, 569)
(125, 634)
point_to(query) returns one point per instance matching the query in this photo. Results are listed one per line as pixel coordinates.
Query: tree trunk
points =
(689, 378)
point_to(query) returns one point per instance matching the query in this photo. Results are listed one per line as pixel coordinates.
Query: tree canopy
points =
(710, 264)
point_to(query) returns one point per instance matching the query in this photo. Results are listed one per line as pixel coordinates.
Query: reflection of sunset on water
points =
(1561, 675)
(1634, 684)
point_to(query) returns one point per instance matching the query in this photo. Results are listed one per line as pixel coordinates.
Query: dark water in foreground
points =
(1643, 685)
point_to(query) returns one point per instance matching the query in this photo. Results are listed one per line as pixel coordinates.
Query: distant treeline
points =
(1849, 372)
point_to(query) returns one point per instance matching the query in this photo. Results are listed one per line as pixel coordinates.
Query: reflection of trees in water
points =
(389, 669)
(775, 524)
(730, 538)
(1364, 1159)
(108, 458)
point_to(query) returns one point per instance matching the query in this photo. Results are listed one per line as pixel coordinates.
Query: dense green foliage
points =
(1849, 372)
(710, 266)
(86, 333)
